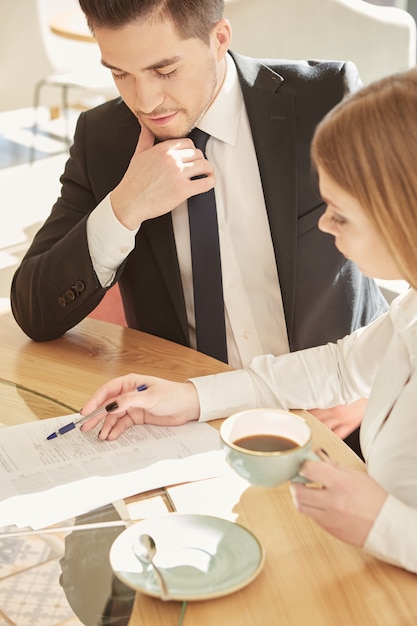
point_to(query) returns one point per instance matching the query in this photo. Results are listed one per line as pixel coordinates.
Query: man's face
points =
(166, 81)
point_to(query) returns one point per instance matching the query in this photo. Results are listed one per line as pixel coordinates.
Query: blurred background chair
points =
(76, 70)
(91, 85)
(32, 53)
(380, 40)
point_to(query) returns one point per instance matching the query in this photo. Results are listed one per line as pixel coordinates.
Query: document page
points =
(45, 481)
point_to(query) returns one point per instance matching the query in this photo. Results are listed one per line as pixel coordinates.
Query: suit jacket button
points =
(79, 286)
(62, 301)
(70, 295)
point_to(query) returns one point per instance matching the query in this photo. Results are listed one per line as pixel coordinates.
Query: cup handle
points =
(312, 456)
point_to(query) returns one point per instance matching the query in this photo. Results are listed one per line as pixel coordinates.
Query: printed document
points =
(44, 482)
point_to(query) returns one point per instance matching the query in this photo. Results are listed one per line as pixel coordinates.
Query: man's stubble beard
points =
(196, 119)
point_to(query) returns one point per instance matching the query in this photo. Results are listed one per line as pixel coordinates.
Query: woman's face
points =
(355, 235)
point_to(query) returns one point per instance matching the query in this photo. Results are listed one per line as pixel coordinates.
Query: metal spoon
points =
(145, 550)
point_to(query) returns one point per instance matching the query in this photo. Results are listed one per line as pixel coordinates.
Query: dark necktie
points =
(207, 271)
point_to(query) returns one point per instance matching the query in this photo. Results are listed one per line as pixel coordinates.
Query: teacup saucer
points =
(199, 556)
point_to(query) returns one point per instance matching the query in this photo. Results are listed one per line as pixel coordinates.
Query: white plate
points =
(199, 556)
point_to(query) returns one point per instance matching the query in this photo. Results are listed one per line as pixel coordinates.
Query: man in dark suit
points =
(121, 213)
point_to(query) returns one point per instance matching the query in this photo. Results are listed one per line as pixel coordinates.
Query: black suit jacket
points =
(324, 296)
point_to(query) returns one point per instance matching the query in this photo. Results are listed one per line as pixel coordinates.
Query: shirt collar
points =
(221, 120)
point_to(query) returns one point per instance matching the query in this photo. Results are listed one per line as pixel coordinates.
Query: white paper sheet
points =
(43, 482)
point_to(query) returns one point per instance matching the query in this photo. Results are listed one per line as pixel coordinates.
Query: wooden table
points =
(309, 578)
(71, 25)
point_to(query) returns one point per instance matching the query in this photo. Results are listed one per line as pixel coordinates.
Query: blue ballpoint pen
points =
(108, 408)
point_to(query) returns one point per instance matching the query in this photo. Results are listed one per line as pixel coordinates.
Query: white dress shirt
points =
(379, 362)
(255, 322)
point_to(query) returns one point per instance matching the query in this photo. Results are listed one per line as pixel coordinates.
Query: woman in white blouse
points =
(365, 152)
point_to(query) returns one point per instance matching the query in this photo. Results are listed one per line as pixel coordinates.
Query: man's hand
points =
(342, 419)
(158, 179)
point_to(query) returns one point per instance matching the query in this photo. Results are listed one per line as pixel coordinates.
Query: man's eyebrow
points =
(110, 67)
(164, 62)
(155, 66)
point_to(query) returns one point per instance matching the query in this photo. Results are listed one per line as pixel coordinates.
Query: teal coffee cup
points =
(266, 446)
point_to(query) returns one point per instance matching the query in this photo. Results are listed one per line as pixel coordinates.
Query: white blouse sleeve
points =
(393, 537)
(319, 377)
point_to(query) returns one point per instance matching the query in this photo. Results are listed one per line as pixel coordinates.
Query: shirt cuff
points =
(221, 395)
(393, 536)
(109, 242)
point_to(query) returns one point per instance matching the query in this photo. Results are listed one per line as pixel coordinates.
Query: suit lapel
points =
(272, 119)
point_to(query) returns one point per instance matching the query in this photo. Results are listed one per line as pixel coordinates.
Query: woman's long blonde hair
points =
(368, 145)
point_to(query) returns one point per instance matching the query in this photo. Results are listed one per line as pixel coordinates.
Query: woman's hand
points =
(164, 403)
(348, 503)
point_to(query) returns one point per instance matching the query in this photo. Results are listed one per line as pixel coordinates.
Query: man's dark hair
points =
(192, 18)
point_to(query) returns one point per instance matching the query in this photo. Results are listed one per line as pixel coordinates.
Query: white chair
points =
(23, 58)
(380, 40)
(29, 52)
(93, 80)
(75, 64)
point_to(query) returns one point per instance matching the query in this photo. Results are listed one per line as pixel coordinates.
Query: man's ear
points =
(220, 37)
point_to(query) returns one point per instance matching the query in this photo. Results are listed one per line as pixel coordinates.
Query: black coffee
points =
(266, 443)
